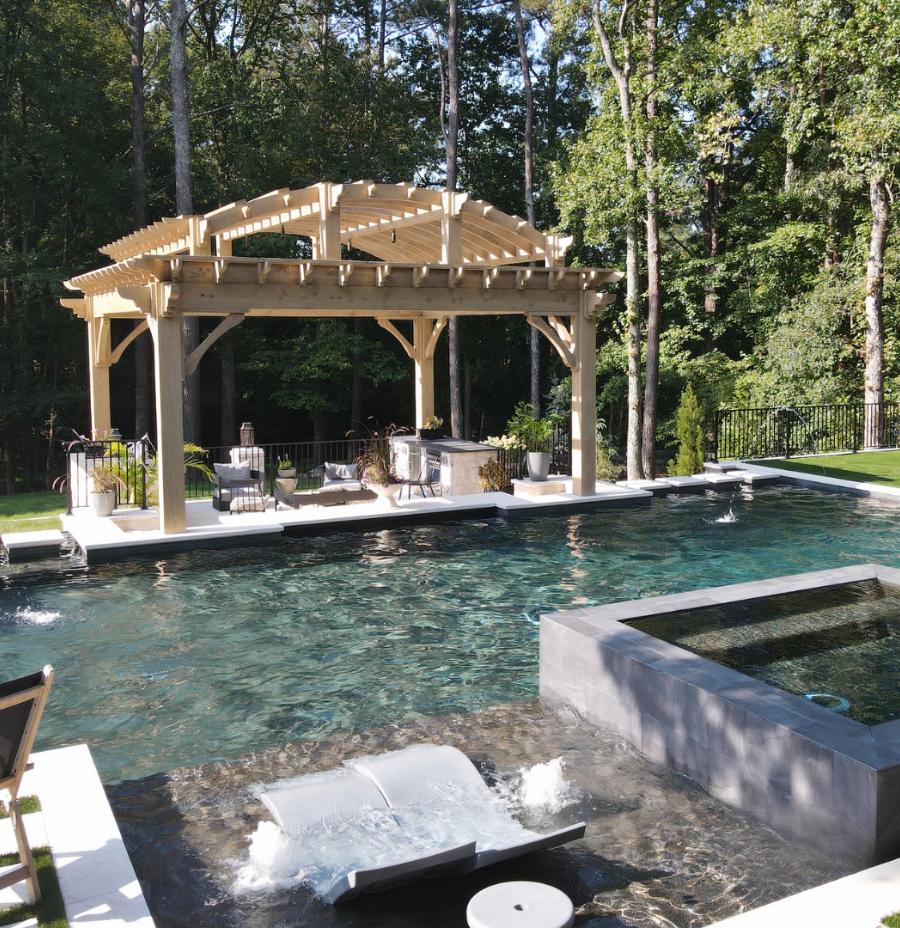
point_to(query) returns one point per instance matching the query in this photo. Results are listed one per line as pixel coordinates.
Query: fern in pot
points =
(287, 475)
(534, 434)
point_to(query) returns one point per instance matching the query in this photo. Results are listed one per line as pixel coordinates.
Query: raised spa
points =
(778, 696)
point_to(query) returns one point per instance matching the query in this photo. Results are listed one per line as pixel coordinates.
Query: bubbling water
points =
(25, 615)
(448, 816)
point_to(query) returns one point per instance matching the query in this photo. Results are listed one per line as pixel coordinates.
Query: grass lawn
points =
(50, 911)
(31, 512)
(866, 467)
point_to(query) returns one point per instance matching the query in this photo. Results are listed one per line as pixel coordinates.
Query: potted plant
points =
(534, 434)
(432, 429)
(287, 475)
(104, 483)
(374, 464)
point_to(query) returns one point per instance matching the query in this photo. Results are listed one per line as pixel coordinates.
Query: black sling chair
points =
(21, 705)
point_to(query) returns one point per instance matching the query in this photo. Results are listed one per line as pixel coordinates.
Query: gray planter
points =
(538, 464)
(103, 503)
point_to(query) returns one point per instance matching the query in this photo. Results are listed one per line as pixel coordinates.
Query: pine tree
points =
(689, 433)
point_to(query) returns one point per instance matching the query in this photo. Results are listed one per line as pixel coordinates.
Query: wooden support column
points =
(584, 396)
(426, 333)
(451, 228)
(327, 246)
(99, 352)
(168, 357)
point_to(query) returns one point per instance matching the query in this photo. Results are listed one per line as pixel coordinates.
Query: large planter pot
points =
(287, 472)
(103, 503)
(287, 485)
(538, 464)
(431, 434)
(386, 493)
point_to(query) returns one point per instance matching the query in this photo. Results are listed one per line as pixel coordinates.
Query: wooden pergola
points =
(438, 254)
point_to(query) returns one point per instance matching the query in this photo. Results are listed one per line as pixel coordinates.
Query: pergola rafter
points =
(438, 254)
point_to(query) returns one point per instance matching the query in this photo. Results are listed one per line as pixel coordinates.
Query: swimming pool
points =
(213, 655)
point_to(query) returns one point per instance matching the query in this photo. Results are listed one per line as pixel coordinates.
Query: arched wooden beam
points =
(435, 335)
(404, 342)
(119, 350)
(563, 348)
(193, 359)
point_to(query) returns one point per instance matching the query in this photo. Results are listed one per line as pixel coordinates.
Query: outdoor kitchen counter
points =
(460, 460)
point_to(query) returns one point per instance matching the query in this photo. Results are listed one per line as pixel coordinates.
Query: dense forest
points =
(737, 159)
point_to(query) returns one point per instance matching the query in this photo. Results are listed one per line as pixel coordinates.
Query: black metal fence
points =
(126, 467)
(784, 431)
(515, 460)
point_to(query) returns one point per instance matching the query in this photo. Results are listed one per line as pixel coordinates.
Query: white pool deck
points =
(131, 532)
(98, 883)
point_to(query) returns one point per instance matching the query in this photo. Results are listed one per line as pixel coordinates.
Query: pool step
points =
(721, 480)
(31, 546)
(656, 487)
(685, 484)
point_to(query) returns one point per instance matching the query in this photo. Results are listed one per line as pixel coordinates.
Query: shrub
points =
(493, 477)
(689, 435)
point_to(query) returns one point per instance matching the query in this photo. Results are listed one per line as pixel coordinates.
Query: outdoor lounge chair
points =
(412, 786)
(237, 488)
(21, 705)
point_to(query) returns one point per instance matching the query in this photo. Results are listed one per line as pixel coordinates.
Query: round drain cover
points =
(829, 701)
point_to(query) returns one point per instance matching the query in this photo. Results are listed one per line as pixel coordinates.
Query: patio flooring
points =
(134, 532)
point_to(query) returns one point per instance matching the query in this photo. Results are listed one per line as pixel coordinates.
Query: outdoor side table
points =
(520, 905)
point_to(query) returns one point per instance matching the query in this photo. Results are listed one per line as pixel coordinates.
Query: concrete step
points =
(29, 546)
(686, 484)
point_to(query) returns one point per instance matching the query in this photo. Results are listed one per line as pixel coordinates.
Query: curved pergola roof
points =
(392, 222)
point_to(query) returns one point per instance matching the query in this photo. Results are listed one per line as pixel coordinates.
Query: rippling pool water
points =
(206, 656)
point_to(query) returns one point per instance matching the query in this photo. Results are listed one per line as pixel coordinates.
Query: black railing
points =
(133, 464)
(785, 431)
(515, 460)
(307, 457)
(127, 466)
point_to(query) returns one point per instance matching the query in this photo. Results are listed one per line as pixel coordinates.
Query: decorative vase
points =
(386, 493)
(538, 465)
(287, 484)
(103, 503)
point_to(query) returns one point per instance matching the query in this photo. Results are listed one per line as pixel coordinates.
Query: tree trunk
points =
(184, 200)
(528, 152)
(356, 384)
(456, 405)
(654, 294)
(874, 394)
(467, 399)
(9, 464)
(136, 19)
(622, 75)
(710, 253)
(228, 407)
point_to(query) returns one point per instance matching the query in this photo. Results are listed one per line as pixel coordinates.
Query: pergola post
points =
(327, 245)
(584, 396)
(99, 349)
(168, 357)
(424, 371)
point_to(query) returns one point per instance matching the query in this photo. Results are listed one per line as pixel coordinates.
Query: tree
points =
(528, 165)
(689, 434)
(184, 199)
(654, 284)
(621, 74)
(452, 143)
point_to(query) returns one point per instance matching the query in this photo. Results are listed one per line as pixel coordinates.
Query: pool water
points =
(200, 657)
(837, 647)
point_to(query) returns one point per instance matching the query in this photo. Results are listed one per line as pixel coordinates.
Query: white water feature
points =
(728, 518)
(450, 815)
(25, 615)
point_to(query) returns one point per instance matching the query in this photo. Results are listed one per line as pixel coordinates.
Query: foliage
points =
(375, 464)
(433, 422)
(865, 467)
(284, 463)
(689, 434)
(105, 479)
(194, 459)
(891, 921)
(505, 442)
(533, 432)
(493, 477)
